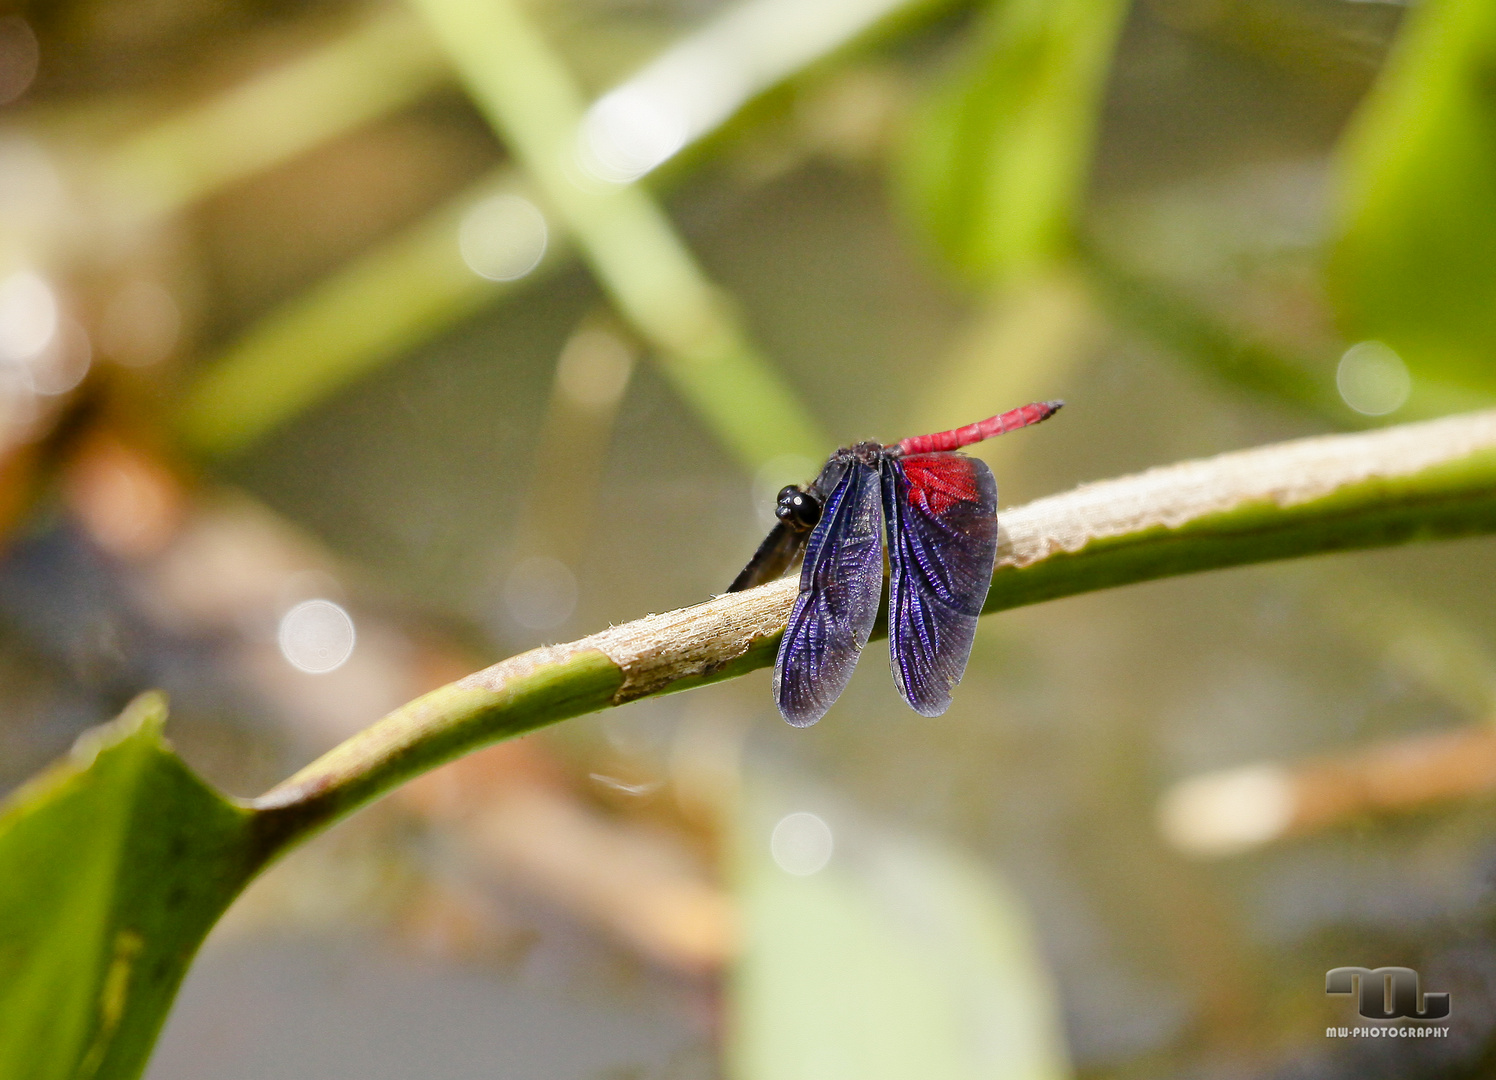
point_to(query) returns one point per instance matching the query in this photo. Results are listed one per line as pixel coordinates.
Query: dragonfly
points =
(939, 508)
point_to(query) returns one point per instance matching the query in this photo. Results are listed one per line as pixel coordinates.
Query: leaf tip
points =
(145, 716)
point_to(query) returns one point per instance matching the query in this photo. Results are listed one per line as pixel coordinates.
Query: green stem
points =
(533, 104)
(1427, 481)
(389, 299)
(385, 303)
(429, 731)
(1207, 342)
(379, 66)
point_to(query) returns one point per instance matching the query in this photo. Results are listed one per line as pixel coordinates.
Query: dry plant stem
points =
(1415, 482)
(1394, 775)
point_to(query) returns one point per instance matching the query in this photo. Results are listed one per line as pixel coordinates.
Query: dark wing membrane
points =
(942, 543)
(772, 558)
(839, 587)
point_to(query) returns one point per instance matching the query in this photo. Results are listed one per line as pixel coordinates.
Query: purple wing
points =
(839, 587)
(942, 543)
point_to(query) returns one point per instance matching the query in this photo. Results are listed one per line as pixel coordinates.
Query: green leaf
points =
(997, 160)
(113, 866)
(115, 863)
(897, 959)
(1414, 263)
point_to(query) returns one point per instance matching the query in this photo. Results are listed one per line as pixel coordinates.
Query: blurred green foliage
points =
(1413, 266)
(998, 158)
(899, 959)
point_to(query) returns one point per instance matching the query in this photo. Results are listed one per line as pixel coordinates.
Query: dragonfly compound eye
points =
(798, 509)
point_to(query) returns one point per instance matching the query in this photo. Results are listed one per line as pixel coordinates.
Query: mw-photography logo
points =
(1388, 993)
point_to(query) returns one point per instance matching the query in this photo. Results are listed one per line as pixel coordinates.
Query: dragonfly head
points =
(798, 509)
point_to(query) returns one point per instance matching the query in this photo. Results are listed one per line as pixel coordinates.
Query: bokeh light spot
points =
(503, 238)
(801, 843)
(629, 132)
(140, 325)
(18, 405)
(20, 56)
(28, 316)
(64, 364)
(540, 592)
(316, 636)
(130, 503)
(594, 368)
(1373, 379)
